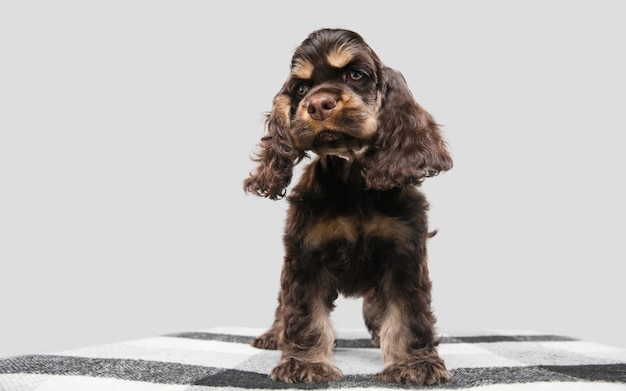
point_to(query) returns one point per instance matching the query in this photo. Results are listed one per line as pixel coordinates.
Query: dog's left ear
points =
(408, 146)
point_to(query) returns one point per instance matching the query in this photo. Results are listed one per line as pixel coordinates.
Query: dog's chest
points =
(354, 230)
(354, 235)
(356, 249)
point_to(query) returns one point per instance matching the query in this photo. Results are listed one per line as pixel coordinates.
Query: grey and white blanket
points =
(221, 358)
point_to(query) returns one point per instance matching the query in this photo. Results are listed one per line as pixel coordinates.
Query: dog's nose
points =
(321, 106)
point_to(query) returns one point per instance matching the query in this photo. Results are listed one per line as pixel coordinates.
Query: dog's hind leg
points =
(373, 314)
(271, 338)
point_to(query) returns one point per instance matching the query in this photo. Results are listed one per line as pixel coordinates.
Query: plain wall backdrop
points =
(126, 129)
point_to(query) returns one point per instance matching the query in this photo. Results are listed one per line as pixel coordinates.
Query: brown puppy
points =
(357, 225)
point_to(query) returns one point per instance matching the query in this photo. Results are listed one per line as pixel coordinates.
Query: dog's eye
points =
(356, 75)
(301, 89)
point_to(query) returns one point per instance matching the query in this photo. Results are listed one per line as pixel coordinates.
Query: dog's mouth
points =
(331, 142)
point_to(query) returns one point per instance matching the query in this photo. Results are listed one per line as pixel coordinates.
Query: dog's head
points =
(341, 100)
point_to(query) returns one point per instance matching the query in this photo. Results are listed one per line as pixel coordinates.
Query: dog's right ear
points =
(277, 155)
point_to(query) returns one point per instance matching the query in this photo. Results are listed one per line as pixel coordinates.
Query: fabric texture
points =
(222, 359)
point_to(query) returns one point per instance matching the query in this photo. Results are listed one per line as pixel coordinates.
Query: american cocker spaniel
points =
(356, 224)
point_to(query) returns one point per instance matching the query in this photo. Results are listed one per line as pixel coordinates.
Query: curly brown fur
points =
(357, 224)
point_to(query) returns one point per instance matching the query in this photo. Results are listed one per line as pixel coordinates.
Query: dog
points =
(357, 223)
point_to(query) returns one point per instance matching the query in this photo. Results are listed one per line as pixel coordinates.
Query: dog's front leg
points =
(407, 336)
(308, 336)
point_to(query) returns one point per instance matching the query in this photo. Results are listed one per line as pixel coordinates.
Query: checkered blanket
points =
(222, 358)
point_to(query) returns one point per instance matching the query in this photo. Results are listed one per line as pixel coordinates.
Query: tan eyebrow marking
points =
(340, 56)
(302, 69)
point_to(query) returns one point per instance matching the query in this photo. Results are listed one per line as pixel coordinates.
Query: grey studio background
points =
(126, 129)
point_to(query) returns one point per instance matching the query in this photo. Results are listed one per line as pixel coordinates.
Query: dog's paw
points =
(296, 371)
(265, 341)
(419, 373)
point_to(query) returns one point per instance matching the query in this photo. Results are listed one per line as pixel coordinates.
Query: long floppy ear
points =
(409, 146)
(277, 155)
